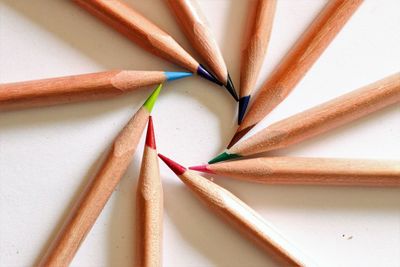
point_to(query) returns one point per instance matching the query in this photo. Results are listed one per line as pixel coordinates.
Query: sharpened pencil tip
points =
(150, 138)
(222, 157)
(238, 135)
(203, 72)
(243, 103)
(231, 88)
(151, 100)
(201, 168)
(175, 167)
(175, 75)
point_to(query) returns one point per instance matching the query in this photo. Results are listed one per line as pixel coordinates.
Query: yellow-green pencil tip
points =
(151, 100)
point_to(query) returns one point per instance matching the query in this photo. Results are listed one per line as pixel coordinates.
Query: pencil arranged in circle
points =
(144, 32)
(297, 62)
(98, 191)
(319, 119)
(241, 216)
(195, 26)
(68, 89)
(309, 171)
(254, 50)
(149, 206)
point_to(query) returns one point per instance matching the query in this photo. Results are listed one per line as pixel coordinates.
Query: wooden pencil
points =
(297, 62)
(98, 191)
(144, 32)
(194, 24)
(319, 119)
(254, 50)
(149, 207)
(309, 171)
(241, 216)
(75, 88)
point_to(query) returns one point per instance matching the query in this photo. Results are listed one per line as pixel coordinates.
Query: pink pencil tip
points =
(150, 139)
(201, 168)
(175, 167)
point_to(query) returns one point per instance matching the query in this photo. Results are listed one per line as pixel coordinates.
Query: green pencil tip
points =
(151, 100)
(223, 156)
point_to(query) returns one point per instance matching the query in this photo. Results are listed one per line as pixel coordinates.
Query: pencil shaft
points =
(99, 190)
(255, 45)
(149, 212)
(324, 117)
(74, 88)
(140, 30)
(300, 58)
(195, 26)
(312, 171)
(246, 220)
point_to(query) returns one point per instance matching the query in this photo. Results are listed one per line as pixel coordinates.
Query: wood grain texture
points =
(92, 201)
(300, 59)
(140, 30)
(75, 88)
(195, 26)
(149, 212)
(256, 44)
(312, 171)
(245, 219)
(324, 117)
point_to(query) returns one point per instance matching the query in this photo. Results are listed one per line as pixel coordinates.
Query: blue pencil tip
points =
(243, 103)
(203, 72)
(172, 75)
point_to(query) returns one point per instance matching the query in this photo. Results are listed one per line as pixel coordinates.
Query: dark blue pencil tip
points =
(203, 72)
(243, 103)
(174, 75)
(231, 88)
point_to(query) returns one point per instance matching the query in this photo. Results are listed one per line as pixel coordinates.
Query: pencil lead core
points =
(201, 168)
(175, 167)
(150, 139)
(151, 100)
(203, 72)
(175, 75)
(231, 88)
(243, 103)
(223, 156)
(238, 135)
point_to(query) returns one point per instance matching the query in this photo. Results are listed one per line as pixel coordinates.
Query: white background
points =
(48, 154)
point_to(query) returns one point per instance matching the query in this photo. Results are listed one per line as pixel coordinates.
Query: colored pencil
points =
(319, 119)
(90, 204)
(255, 48)
(75, 88)
(241, 216)
(149, 206)
(297, 62)
(309, 171)
(194, 24)
(143, 32)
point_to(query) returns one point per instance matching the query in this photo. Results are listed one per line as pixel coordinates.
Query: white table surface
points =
(48, 154)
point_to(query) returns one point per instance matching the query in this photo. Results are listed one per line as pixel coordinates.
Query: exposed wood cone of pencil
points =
(83, 87)
(241, 216)
(149, 206)
(297, 62)
(92, 201)
(256, 41)
(309, 171)
(136, 27)
(195, 26)
(317, 120)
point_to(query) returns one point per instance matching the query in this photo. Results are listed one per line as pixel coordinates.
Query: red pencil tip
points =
(150, 139)
(200, 168)
(175, 167)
